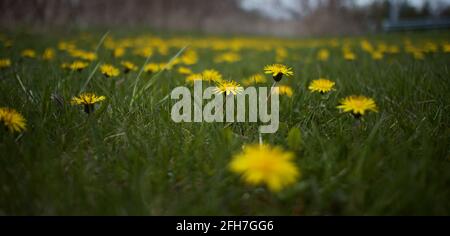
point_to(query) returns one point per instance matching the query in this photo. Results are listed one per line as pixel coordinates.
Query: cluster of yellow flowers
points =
(257, 163)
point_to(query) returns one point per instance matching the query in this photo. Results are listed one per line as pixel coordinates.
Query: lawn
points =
(128, 157)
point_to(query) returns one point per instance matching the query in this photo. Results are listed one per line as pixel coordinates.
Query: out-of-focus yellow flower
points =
(189, 57)
(377, 55)
(49, 54)
(323, 55)
(12, 120)
(143, 52)
(212, 75)
(367, 46)
(254, 79)
(284, 90)
(229, 57)
(83, 55)
(109, 70)
(263, 164)
(28, 53)
(446, 47)
(75, 66)
(5, 63)
(152, 68)
(194, 77)
(184, 70)
(349, 56)
(280, 54)
(418, 55)
(128, 66)
(118, 52)
(66, 46)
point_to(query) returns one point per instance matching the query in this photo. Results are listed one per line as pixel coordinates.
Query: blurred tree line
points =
(213, 16)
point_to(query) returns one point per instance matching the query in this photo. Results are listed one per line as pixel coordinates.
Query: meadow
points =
(124, 155)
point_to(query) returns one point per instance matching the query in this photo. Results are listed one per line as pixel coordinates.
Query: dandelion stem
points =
(260, 139)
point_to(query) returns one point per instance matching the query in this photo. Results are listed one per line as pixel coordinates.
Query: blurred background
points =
(261, 17)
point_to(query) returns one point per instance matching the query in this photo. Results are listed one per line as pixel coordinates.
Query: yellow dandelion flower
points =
(28, 53)
(12, 120)
(446, 47)
(263, 164)
(212, 75)
(184, 70)
(418, 55)
(5, 63)
(349, 56)
(228, 57)
(228, 87)
(321, 85)
(81, 54)
(255, 79)
(75, 66)
(66, 46)
(323, 55)
(377, 55)
(152, 68)
(193, 77)
(357, 105)
(49, 54)
(278, 70)
(109, 70)
(118, 52)
(88, 100)
(143, 52)
(190, 57)
(285, 90)
(128, 66)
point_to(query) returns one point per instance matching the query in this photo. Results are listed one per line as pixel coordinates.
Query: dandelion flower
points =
(152, 68)
(323, 55)
(12, 120)
(349, 56)
(28, 53)
(377, 55)
(193, 77)
(358, 105)
(263, 164)
(109, 70)
(321, 85)
(88, 100)
(75, 66)
(190, 57)
(118, 52)
(285, 90)
(5, 63)
(184, 70)
(228, 87)
(212, 75)
(255, 79)
(128, 66)
(49, 54)
(228, 57)
(278, 70)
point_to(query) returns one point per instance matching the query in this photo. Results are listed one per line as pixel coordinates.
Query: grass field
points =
(129, 158)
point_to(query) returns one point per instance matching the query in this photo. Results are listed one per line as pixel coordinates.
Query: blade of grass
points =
(153, 78)
(27, 92)
(102, 39)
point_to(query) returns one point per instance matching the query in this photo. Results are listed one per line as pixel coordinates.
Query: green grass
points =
(134, 160)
